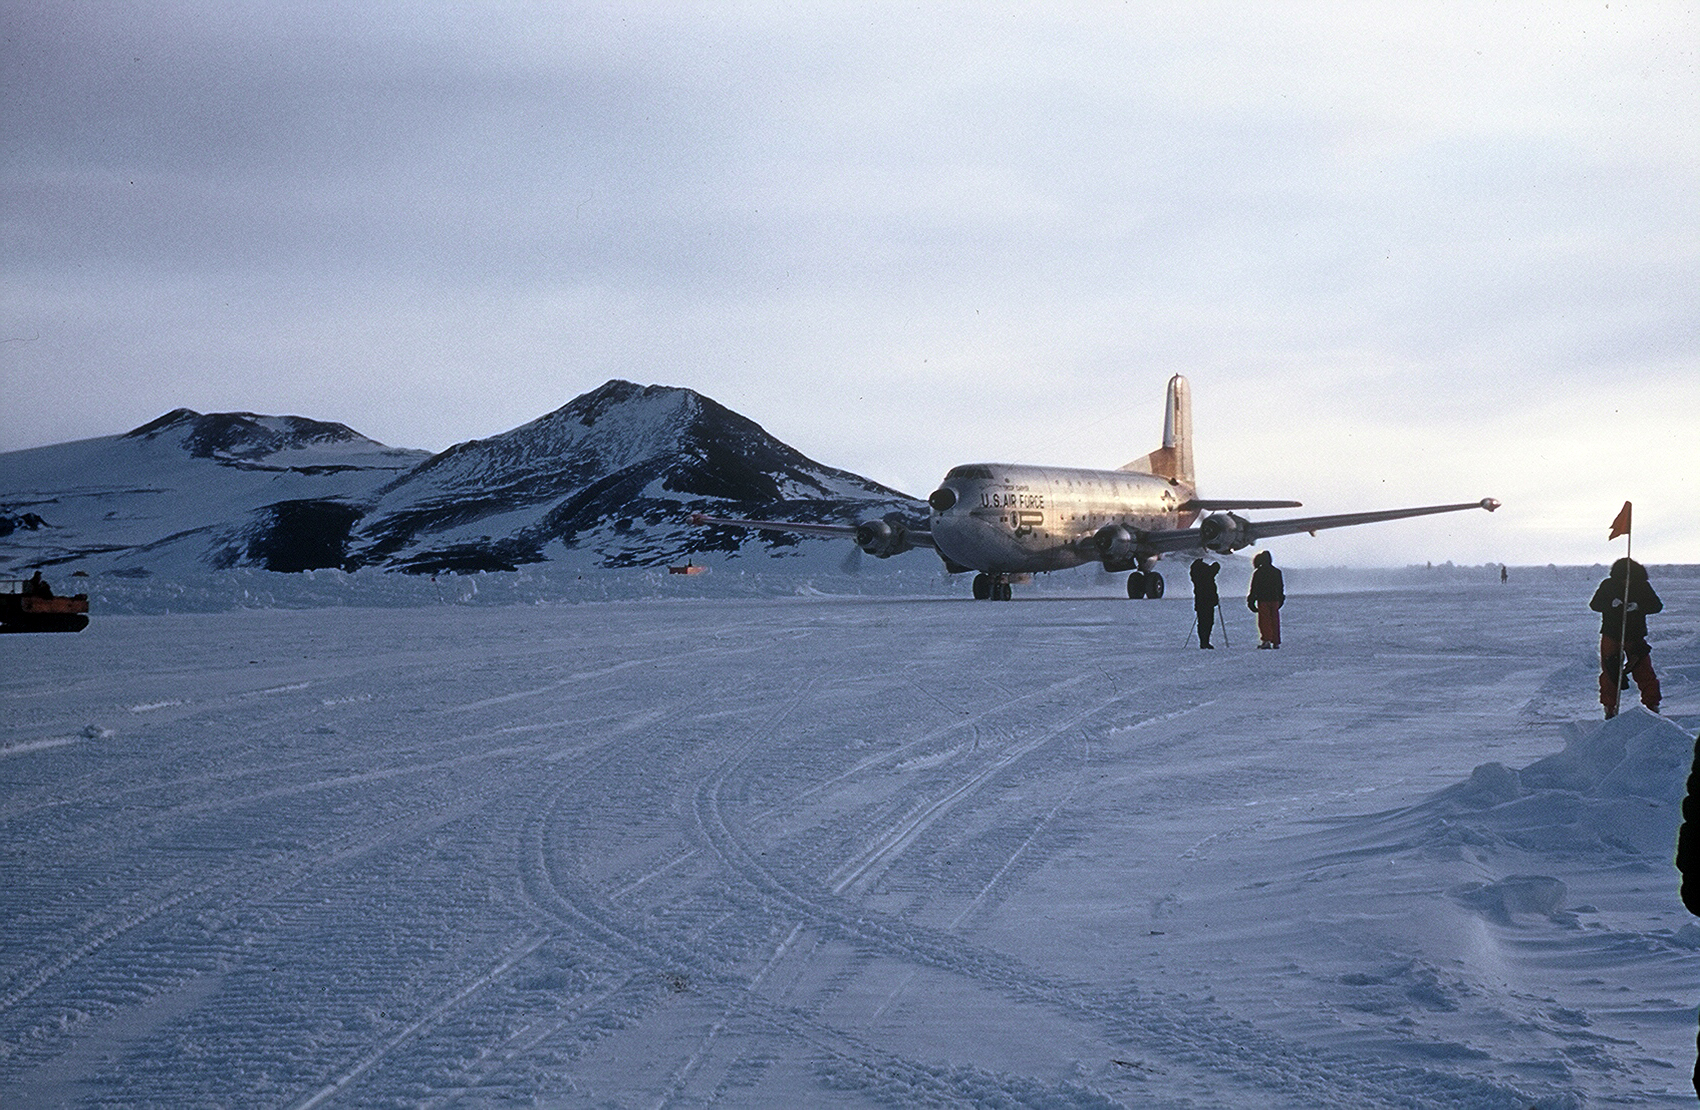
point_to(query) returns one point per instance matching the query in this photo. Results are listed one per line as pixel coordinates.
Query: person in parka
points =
(1688, 862)
(1205, 598)
(1631, 626)
(1268, 593)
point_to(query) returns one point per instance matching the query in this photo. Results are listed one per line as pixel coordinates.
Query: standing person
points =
(1623, 601)
(1268, 593)
(1205, 598)
(1688, 861)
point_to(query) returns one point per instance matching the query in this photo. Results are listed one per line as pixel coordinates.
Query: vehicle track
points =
(864, 868)
(250, 880)
(243, 883)
(738, 998)
(712, 973)
(522, 817)
(1186, 1032)
(571, 902)
(525, 947)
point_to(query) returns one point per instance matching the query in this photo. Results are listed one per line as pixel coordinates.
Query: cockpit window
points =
(984, 472)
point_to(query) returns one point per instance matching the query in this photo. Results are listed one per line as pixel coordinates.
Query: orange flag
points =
(1620, 526)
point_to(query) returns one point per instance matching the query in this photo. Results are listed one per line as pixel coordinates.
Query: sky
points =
(1405, 254)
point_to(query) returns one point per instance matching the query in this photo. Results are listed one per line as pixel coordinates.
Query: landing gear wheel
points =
(1136, 585)
(1003, 591)
(982, 587)
(1153, 585)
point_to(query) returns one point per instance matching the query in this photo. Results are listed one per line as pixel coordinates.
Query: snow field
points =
(844, 850)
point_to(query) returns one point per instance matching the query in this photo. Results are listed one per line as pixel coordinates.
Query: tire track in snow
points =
(567, 901)
(436, 1014)
(670, 659)
(576, 909)
(100, 938)
(493, 1060)
(249, 881)
(526, 825)
(1186, 1032)
(657, 955)
(456, 742)
(516, 818)
(676, 1084)
(860, 871)
(563, 907)
(971, 722)
(237, 881)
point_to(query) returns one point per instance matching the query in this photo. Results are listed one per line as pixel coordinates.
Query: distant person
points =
(39, 588)
(1688, 862)
(1623, 601)
(1503, 575)
(1268, 593)
(1205, 598)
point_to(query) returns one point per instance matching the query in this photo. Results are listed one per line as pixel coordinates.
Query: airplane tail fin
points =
(1173, 460)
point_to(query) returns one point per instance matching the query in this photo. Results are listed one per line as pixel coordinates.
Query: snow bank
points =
(1616, 787)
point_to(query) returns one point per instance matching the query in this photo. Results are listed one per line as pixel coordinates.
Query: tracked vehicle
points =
(28, 605)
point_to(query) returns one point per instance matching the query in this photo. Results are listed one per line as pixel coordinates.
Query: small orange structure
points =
(688, 568)
(29, 606)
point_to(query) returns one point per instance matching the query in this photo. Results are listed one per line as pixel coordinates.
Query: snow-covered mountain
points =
(609, 479)
(191, 491)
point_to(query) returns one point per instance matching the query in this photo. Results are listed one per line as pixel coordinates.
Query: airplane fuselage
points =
(1010, 519)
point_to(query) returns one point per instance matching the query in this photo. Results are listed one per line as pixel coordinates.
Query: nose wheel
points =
(1145, 584)
(992, 587)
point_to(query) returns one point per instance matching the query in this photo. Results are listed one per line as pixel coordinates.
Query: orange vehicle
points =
(28, 605)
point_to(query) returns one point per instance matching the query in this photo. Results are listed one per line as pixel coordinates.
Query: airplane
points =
(1004, 520)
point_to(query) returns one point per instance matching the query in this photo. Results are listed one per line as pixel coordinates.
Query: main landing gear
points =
(1145, 583)
(995, 587)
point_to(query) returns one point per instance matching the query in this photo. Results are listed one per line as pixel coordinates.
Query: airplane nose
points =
(942, 499)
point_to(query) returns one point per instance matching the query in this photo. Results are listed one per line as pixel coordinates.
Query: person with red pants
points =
(1268, 593)
(1626, 585)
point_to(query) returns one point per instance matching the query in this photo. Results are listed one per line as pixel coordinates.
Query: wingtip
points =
(1490, 504)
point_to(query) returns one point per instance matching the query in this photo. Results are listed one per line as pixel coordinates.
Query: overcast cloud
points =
(1405, 253)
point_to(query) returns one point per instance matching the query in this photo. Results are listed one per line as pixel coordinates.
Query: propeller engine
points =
(883, 538)
(1224, 533)
(1116, 546)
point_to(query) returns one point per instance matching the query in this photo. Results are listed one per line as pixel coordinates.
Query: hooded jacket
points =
(1266, 582)
(1608, 602)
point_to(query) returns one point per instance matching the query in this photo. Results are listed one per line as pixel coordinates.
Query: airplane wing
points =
(868, 535)
(1212, 505)
(1230, 533)
(1263, 529)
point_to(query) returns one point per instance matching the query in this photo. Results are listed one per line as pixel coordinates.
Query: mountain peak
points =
(617, 393)
(243, 435)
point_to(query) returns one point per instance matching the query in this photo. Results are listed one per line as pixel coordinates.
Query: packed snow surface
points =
(674, 850)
